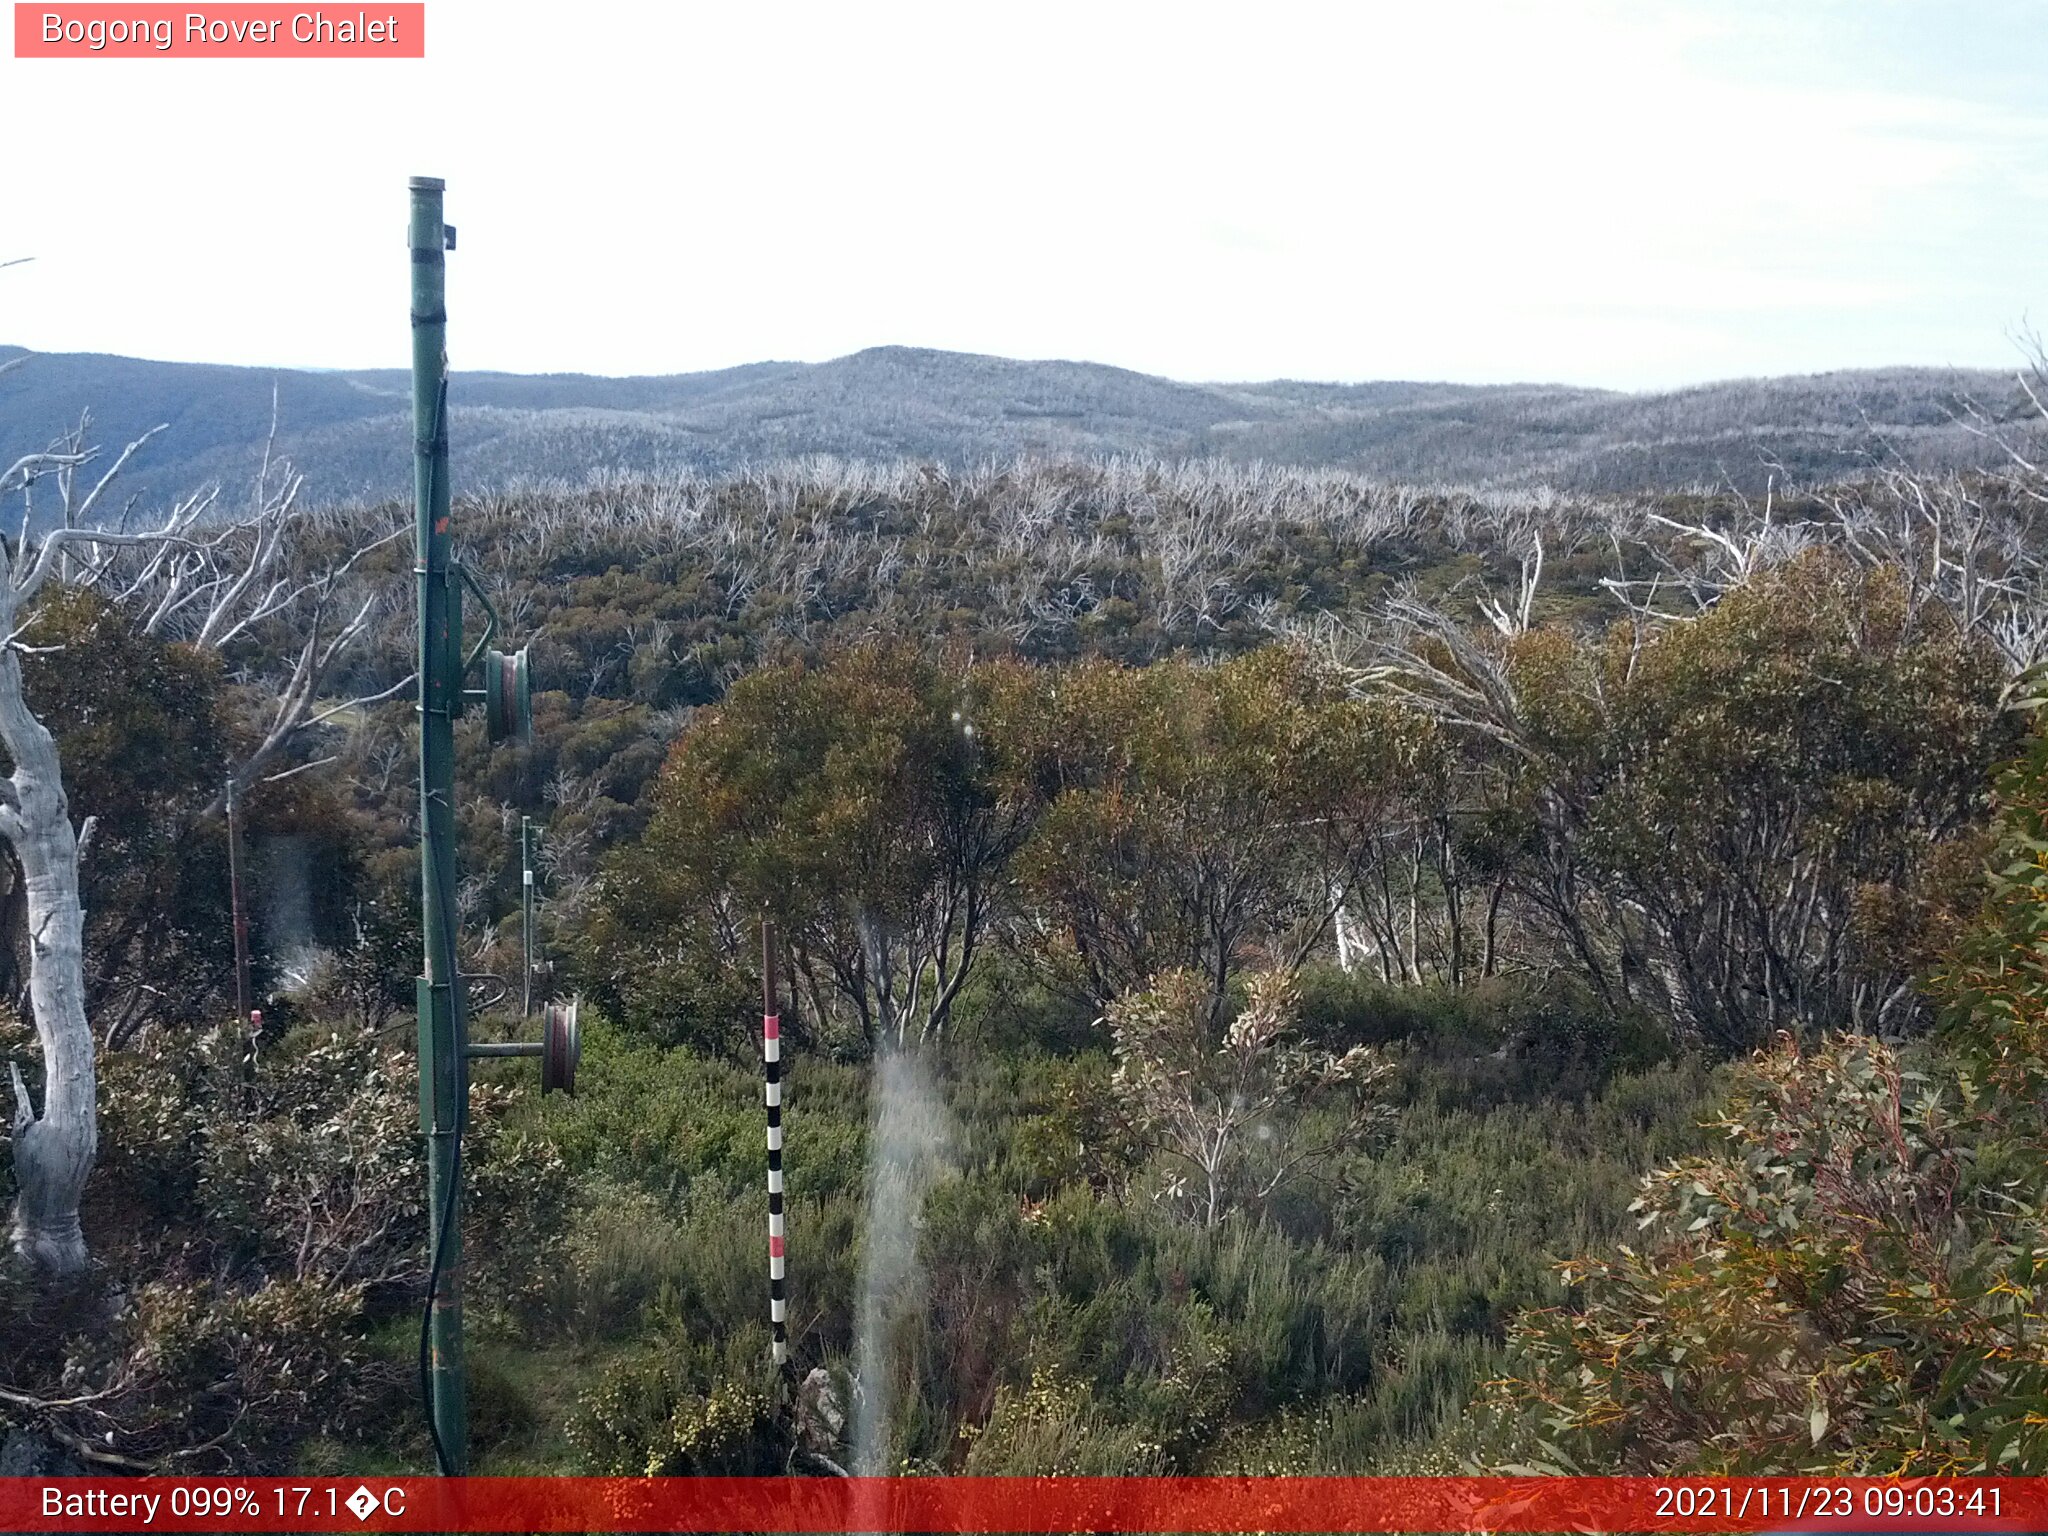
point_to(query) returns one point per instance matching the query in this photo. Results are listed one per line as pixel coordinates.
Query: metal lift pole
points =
(506, 699)
(444, 1068)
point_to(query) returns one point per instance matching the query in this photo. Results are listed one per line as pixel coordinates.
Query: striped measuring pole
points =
(771, 1067)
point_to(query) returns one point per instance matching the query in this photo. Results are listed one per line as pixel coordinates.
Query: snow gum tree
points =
(53, 1151)
(206, 576)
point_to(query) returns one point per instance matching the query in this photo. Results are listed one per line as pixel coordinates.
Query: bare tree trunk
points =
(53, 1152)
(1500, 889)
(1212, 1169)
(1342, 930)
(1454, 902)
(1415, 912)
(1386, 928)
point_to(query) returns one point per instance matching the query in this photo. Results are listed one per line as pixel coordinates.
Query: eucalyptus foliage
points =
(1852, 1282)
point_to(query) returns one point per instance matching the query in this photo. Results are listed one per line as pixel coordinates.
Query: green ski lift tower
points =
(445, 669)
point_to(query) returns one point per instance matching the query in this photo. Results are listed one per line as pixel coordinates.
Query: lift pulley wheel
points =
(561, 1048)
(508, 696)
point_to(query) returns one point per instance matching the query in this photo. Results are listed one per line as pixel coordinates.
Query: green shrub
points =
(1054, 1427)
(680, 1124)
(1340, 1009)
(677, 1406)
(1352, 1322)
(1013, 1004)
(1551, 1024)
(1846, 1283)
(272, 1214)
(1834, 1291)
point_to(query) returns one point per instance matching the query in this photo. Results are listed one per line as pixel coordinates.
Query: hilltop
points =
(350, 430)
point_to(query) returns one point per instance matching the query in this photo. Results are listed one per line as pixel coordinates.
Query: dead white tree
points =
(53, 1151)
(1512, 621)
(1230, 1111)
(200, 576)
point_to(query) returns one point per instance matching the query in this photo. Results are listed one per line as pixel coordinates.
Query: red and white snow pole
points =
(771, 1067)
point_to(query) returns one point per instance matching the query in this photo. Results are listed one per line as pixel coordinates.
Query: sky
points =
(1632, 195)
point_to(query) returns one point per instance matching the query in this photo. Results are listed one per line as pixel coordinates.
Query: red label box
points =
(224, 31)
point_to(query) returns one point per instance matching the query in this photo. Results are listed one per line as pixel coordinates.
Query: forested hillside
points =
(1245, 929)
(347, 430)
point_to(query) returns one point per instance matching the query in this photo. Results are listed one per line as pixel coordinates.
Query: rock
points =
(820, 1416)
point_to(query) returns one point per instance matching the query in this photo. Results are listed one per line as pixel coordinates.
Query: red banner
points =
(1025, 1504)
(225, 31)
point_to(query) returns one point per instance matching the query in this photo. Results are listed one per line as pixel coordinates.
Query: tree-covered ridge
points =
(347, 429)
(665, 589)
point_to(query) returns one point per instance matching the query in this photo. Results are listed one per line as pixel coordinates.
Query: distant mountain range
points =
(350, 432)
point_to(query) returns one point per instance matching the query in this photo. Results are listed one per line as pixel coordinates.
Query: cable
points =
(445, 1211)
(441, 1459)
(446, 1197)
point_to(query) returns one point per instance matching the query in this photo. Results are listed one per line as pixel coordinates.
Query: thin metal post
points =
(237, 911)
(444, 1071)
(526, 910)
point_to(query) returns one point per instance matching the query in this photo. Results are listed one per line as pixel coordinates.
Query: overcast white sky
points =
(1636, 195)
